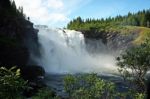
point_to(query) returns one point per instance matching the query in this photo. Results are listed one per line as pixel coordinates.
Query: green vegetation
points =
(88, 86)
(143, 34)
(141, 18)
(131, 24)
(83, 86)
(91, 86)
(134, 64)
(8, 9)
(11, 84)
(45, 93)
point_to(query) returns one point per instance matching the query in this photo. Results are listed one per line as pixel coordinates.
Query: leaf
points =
(18, 72)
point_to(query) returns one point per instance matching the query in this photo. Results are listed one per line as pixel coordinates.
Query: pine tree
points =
(5, 3)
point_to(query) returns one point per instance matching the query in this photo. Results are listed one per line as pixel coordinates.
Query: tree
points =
(148, 24)
(79, 19)
(133, 64)
(13, 5)
(134, 19)
(142, 20)
(5, 3)
(20, 9)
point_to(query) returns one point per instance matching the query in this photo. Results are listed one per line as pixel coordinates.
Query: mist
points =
(65, 51)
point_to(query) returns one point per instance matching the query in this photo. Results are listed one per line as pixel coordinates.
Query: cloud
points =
(55, 4)
(54, 13)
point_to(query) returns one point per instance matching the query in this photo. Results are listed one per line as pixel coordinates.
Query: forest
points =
(141, 18)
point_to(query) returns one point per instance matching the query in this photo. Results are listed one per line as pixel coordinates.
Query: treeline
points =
(141, 18)
(8, 9)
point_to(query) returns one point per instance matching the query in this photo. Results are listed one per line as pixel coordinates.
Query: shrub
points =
(45, 93)
(89, 86)
(11, 84)
(134, 64)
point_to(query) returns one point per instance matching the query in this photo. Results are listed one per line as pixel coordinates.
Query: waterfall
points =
(64, 51)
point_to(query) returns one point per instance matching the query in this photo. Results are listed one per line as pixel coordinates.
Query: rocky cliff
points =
(18, 38)
(15, 34)
(120, 39)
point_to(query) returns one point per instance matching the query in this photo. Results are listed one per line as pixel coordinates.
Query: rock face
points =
(117, 41)
(30, 40)
(18, 41)
(14, 36)
(112, 40)
(17, 36)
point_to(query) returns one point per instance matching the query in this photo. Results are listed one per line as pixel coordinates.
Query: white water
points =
(64, 51)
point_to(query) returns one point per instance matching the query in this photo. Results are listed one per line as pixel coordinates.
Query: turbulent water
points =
(65, 51)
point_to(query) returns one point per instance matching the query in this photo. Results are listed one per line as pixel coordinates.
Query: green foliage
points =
(140, 96)
(45, 93)
(89, 86)
(141, 18)
(134, 64)
(8, 8)
(11, 84)
(16, 11)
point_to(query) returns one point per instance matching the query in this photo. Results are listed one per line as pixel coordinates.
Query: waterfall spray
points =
(64, 51)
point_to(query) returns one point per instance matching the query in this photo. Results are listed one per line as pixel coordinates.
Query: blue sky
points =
(106, 8)
(57, 13)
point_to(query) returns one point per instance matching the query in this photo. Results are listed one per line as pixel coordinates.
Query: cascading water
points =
(64, 51)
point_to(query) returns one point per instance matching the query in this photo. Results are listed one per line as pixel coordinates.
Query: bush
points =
(134, 64)
(45, 93)
(89, 86)
(11, 84)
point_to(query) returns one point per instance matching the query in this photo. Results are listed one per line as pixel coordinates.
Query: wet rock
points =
(33, 73)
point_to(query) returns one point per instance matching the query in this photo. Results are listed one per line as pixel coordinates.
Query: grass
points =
(143, 32)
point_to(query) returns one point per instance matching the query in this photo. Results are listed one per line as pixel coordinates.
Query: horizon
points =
(58, 13)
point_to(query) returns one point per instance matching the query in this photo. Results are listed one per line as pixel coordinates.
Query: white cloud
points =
(49, 12)
(55, 4)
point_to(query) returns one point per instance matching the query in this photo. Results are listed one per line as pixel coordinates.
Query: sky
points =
(57, 13)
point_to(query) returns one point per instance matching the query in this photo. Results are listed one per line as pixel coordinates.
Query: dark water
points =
(55, 82)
